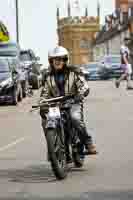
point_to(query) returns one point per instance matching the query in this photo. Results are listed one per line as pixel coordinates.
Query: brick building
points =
(124, 5)
(117, 26)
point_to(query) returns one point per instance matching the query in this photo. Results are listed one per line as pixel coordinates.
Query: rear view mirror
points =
(38, 58)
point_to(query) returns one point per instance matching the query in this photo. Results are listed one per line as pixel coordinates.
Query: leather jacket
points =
(75, 83)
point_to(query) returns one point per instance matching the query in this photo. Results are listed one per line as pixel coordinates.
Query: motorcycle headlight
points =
(6, 83)
(107, 66)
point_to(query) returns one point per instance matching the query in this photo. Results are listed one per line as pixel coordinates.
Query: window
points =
(9, 49)
(85, 44)
(4, 67)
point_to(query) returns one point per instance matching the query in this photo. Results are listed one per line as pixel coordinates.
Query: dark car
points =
(10, 85)
(91, 71)
(110, 66)
(30, 62)
(11, 51)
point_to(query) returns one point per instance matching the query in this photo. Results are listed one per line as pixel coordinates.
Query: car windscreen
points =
(91, 66)
(25, 56)
(9, 50)
(4, 67)
(113, 59)
(8, 53)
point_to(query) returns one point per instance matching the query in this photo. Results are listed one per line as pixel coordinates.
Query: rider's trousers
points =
(77, 118)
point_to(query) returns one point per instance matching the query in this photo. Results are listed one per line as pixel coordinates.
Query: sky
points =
(37, 21)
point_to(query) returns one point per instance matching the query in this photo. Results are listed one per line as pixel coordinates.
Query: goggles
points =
(64, 59)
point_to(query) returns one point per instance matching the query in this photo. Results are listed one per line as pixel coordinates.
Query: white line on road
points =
(12, 144)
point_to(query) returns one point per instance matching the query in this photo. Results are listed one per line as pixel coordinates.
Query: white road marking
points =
(12, 144)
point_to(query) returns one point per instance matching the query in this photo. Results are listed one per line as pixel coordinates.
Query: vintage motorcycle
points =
(62, 138)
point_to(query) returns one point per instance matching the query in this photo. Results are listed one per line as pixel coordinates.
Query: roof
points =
(104, 35)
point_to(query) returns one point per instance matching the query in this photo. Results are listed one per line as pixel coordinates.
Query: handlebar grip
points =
(35, 106)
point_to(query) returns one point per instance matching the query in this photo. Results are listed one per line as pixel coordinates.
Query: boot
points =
(90, 149)
(129, 88)
(69, 159)
(117, 84)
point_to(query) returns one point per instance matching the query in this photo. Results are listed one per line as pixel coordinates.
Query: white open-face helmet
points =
(58, 51)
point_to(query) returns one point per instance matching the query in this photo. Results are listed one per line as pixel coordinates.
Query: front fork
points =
(56, 124)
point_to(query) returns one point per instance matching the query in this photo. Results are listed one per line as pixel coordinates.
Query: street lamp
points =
(17, 20)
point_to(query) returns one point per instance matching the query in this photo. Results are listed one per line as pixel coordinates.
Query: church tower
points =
(57, 15)
(69, 9)
(77, 33)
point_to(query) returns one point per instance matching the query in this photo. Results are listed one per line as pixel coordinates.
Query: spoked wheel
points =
(57, 155)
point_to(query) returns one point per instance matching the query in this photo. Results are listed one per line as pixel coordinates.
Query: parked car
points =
(11, 51)
(91, 71)
(30, 62)
(10, 85)
(110, 66)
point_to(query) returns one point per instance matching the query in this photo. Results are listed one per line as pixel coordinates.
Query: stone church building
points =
(77, 33)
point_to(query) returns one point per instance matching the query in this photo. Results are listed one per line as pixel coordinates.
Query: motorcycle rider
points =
(63, 79)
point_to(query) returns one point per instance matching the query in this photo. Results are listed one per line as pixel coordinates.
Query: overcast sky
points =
(37, 20)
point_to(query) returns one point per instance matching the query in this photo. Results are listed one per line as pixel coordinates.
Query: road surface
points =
(25, 172)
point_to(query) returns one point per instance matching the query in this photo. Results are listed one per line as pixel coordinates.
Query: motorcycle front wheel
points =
(57, 154)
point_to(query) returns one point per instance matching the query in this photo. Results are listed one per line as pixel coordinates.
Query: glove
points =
(87, 92)
(78, 98)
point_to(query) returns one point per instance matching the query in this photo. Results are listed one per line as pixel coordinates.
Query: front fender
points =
(51, 123)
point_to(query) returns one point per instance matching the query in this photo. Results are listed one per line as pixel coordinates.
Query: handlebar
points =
(45, 102)
(35, 106)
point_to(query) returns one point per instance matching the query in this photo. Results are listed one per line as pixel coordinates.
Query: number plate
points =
(54, 112)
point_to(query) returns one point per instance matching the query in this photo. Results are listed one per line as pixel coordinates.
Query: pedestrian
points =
(125, 64)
